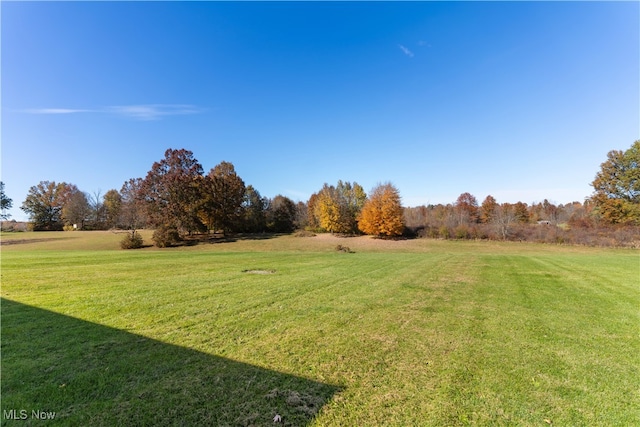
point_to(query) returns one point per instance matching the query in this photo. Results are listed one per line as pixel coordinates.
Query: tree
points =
(616, 186)
(521, 212)
(5, 203)
(381, 215)
(96, 202)
(253, 207)
(302, 216)
(172, 191)
(76, 209)
(467, 208)
(550, 211)
(112, 205)
(281, 214)
(352, 199)
(132, 211)
(224, 194)
(44, 204)
(488, 209)
(327, 211)
(312, 218)
(336, 209)
(504, 217)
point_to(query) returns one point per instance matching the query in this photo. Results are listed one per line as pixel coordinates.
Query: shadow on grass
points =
(89, 374)
(26, 241)
(230, 238)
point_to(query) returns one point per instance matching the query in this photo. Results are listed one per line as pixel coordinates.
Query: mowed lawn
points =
(407, 333)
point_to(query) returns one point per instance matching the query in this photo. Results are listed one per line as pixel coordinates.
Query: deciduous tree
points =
(253, 207)
(302, 216)
(336, 209)
(381, 214)
(76, 210)
(5, 203)
(223, 195)
(521, 212)
(132, 214)
(504, 218)
(44, 204)
(617, 187)
(327, 211)
(312, 218)
(96, 202)
(172, 192)
(467, 209)
(112, 205)
(488, 209)
(281, 214)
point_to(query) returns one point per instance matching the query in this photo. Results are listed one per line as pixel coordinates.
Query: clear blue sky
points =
(518, 100)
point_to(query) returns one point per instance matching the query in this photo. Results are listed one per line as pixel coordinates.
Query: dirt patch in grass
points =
(364, 242)
(259, 271)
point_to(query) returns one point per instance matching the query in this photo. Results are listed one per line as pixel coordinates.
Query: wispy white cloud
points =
(137, 112)
(54, 111)
(153, 111)
(406, 51)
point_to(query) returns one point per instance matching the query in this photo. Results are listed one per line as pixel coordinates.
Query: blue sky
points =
(520, 100)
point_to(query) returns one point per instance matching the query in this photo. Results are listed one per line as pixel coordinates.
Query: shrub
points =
(443, 232)
(429, 231)
(344, 249)
(165, 236)
(462, 232)
(484, 232)
(131, 240)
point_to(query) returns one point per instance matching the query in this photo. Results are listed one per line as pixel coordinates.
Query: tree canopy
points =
(172, 193)
(76, 209)
(382, 213)
(281, 214)
(617, 186)
(336, 209)
(45, 202)
(253, 211)
(223, 193)
(5, 203)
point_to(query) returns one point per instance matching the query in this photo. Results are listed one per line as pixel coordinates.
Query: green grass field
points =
(407, 333)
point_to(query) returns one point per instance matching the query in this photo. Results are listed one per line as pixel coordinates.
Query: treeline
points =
(178, 199)
(545, 222)
(610, 217)
(175, 194)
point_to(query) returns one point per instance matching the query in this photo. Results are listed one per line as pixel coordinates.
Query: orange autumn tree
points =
(382, 215)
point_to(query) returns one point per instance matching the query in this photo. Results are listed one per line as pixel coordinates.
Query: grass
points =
(417, 332)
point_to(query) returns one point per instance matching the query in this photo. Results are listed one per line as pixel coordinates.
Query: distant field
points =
(413, 332)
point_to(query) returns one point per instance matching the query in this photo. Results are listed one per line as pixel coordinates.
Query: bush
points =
(462, 232)
(131, 240)
(166, 236)
(344, 249)
(443, 232)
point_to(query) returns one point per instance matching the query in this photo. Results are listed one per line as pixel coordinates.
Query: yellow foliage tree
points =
(335, 209)
(382, 215)
(329, 213)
